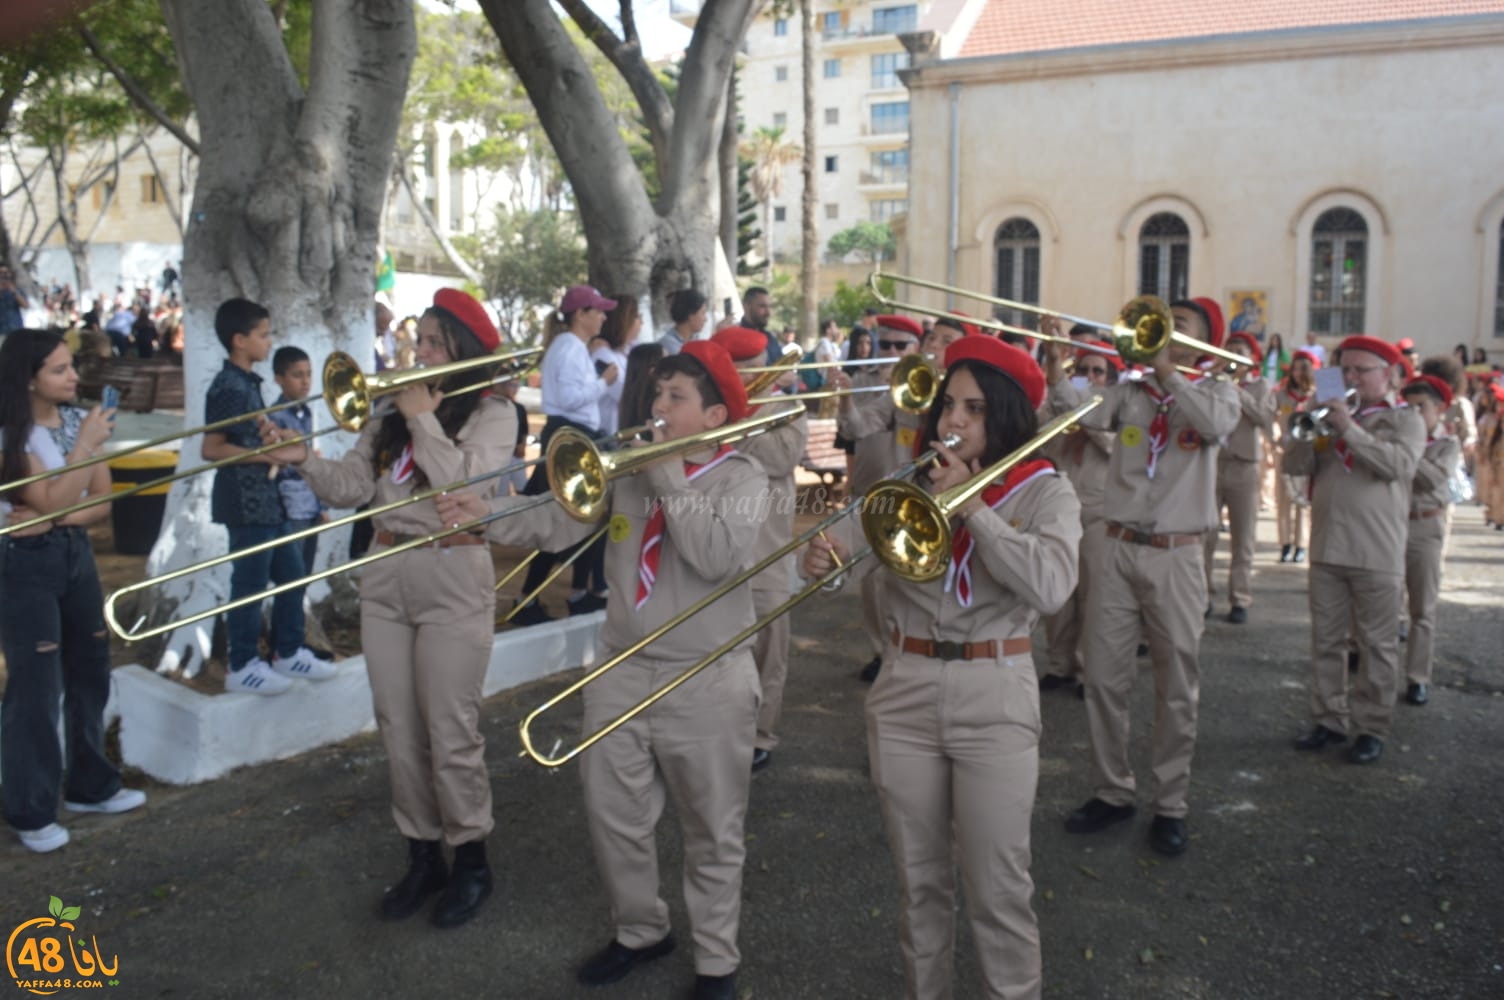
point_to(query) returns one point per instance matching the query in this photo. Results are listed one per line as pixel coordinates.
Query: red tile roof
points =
(1008, 27)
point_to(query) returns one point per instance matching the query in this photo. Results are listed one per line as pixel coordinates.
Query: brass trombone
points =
(349, 394)
(548, 760)
(910, 529)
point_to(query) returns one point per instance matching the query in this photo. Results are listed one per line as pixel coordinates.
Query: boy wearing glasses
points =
(1361, 478)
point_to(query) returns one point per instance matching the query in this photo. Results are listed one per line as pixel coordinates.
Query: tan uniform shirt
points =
(1083, 456)
(883, 433)
(778, 452)
(1359, 517)
(485, 443)
(710, 531)
(1256, 418)
(1180, 497)
(1432, 488)
(1024, 564)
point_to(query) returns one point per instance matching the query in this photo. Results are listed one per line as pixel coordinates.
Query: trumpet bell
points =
(914, 383)
(579, 476)
(908, 531)
(347, 393)
(1143, 329)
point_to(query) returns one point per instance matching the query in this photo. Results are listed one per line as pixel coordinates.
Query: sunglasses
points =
(893, 345)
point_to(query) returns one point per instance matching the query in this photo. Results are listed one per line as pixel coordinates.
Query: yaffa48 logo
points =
(35, 954)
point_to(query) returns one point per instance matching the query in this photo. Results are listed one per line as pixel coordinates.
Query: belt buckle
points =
(946, 649)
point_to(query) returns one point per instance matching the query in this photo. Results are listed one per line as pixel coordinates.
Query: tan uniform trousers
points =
(872, 611)
(426, 625)
(1238, 489)
(1362, 601)
(770, 650)
(1169, 587)
(954, 752)
(1293, 519)
(1063, 628)
(1423, 555)
(695, 744)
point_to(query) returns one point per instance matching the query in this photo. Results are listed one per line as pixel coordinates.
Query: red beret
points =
(1313, 359)
(966, 329)
(1405, 344)
(464, 307)
(901, 324)
(1253, 345)
(1435, 384)
(1214, 313)
(1373, 345)
(741, 343)
(1497, 390)
(1109, 355)
(723, 373)
(1017, 364)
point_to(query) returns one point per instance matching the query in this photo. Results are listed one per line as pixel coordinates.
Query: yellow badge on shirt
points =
(1131, 436)
(1322, 443)
(621, 528)
(906, 437)
(1286, 410)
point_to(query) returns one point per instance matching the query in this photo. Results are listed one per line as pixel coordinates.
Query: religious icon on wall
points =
(1248, 312)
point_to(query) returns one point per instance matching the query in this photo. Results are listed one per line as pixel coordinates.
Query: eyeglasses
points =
(1356, 370)
(1092, 370)
(893, 345)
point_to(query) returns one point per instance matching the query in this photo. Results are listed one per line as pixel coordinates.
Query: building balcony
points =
(883, 181)
(885, 134)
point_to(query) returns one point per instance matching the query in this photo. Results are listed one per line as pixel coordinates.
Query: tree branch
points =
(626, 56)
(134, 90)
(172, 210)
(702, 95)
(456, 258)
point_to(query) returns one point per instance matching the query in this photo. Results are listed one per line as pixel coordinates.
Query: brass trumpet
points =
(349, 394)
(910, 529)
(1308, 426)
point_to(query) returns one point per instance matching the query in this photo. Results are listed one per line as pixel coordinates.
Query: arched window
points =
(1339, 272)
(1164, 257)
(1016, 249)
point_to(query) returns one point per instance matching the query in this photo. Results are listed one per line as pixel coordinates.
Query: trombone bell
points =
(908, 531)
(914, 383)
(347, 393)
(1143, 329)
(579, 475)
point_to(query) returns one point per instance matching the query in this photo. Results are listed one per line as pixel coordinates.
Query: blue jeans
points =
(310, 545)
(56, 649)
(251, 575)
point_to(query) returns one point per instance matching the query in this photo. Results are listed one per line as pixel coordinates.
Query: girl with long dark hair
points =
(953, 717)
(51, 604)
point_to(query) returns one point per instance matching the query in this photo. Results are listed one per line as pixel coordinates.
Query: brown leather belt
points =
(1115, 530)
(391, 538)
(948, 650)
(1421, 515)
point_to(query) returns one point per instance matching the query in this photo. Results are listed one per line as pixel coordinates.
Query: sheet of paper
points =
(1329, 384)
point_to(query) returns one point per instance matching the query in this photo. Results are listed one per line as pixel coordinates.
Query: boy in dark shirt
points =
(246, 501)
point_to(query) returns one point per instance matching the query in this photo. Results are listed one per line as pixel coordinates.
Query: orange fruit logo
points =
(34, 954)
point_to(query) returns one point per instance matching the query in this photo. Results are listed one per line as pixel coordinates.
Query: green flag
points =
(386, 273)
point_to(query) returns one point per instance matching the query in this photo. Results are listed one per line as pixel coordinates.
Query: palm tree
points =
(809, 264)
(770, 153)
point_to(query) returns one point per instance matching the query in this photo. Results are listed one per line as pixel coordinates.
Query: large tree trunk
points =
(286, 212)
(728, 157)
(809, 265)
(635, 247)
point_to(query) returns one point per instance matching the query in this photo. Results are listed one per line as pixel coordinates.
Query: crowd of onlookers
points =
(144, 323)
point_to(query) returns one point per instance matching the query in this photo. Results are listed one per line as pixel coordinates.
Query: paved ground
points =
(1307, 877)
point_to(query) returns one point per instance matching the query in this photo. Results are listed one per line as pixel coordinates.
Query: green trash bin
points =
(137, 520)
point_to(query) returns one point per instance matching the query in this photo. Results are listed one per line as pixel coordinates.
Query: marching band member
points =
(953, 718)
(1291, 499)
(678, 530)
(427, 615)
(1084, 458)
(1238, 463)
(1160, 495)
(1430, 503)
(778, 452)
(884, 437)
(1361, 477)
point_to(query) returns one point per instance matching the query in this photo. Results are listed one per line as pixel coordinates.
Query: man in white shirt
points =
(1313, 348)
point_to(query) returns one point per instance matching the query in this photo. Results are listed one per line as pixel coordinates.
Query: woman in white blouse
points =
(573, 386)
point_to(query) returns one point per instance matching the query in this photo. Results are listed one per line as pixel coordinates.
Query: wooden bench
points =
(145, 384)
(821, 456)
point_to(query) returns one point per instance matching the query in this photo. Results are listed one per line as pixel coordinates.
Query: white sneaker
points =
(122, 801)
(303, 664)
(256, 677)
(48, 838)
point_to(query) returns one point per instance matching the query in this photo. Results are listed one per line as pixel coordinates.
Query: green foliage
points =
(874, 241)
(527, 259)
(846, 303)
(788, 304)
(748, 232)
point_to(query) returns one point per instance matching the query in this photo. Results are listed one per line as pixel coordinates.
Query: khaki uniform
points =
(1238, 465)
(1430, 504)
(695, 744)
(778, 452)
(1292, 505)
(884, 437)
(1359, 522)
(953, 744)
(1084, 457)
(426, 623)
(1156, 570)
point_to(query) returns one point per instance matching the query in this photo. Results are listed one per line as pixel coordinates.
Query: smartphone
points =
(601, 366)
(110, 398)
(726, 306)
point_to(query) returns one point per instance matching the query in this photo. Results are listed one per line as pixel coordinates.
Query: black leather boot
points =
(469, 886)
(426, 875)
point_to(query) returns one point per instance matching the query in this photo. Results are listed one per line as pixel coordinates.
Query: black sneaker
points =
(1300, 556)
(613, 962)
(1284, 553)
(870, 671)
(1097, 815)
(1051, 682)
(1238, 616)
(586, 604)
(533, 613)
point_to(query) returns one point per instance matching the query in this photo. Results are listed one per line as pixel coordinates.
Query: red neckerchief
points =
(1347, 456)
(1159, 427)
(403, 468)
(1300, 400)
(959, 573)
(652, 537)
